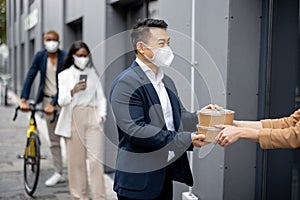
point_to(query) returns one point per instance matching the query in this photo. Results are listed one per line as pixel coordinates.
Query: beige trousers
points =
(85, 143)
(54, 139)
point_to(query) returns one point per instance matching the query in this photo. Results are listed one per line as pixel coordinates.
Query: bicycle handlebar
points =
(32, 109)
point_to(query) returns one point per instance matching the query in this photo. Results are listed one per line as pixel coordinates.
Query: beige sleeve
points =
(284, 122)
(270, 138)
(280, 133)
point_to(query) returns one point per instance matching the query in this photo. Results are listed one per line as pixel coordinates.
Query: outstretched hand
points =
(228, 134)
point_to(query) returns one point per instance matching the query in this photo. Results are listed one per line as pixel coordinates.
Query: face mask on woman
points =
(162, 57)
(51, 46)
(81, 62)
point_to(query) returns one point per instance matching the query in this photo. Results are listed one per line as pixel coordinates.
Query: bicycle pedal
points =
(20, 156)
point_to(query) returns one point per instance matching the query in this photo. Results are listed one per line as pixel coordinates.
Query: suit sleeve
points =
(33, 70)
(127, 104)
(189, 120)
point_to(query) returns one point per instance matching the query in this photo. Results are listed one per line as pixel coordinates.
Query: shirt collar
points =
(154, 78)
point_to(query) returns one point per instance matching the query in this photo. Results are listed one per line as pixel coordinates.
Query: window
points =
(21, 7)
(153, 9)
(31, 2)
(15, 10)
(31, 49)
(22, 59)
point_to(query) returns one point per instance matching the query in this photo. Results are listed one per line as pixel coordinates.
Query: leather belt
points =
(51, 97)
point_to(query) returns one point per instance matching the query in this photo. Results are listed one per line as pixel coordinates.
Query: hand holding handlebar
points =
(32, 109)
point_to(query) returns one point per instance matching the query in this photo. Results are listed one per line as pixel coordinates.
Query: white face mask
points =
(51, 46)
(81, 62)
(163, 56)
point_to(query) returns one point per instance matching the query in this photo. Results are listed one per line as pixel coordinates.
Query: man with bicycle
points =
(48, 63)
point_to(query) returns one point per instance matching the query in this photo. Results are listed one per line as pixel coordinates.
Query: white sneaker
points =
(54, 179)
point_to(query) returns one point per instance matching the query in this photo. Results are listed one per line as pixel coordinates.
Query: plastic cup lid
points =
(208, 128)
(214, 112)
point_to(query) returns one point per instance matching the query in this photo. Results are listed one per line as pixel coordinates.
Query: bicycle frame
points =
(32, 127)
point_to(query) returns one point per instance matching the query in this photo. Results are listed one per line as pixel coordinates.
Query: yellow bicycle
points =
(32, 154)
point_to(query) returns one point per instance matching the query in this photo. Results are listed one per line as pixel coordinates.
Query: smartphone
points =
(83, 77)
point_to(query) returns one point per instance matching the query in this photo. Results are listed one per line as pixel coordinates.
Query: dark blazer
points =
(39, 64)
(144, 141)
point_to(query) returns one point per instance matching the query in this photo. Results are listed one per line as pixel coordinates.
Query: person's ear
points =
(140, 47)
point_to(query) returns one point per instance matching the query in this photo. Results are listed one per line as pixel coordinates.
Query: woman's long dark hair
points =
(69, 61)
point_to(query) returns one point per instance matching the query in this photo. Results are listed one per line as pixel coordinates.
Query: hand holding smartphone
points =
(81, 85)
(83, 77)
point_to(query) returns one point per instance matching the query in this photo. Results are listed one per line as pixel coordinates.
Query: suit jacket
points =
(144, 141)
(280, 133)
(39, 64)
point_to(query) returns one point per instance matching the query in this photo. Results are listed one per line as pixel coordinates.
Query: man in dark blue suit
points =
(47, 63)
(151, 120)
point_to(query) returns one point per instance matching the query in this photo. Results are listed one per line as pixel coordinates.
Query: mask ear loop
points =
(149, 47)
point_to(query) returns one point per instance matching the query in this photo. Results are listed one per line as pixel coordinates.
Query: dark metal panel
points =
(278, 79)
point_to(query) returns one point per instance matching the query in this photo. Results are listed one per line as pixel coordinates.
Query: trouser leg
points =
(54, 140)
(94, 147)
(76, 152)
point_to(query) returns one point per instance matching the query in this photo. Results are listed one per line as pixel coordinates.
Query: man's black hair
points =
(141, 30)
(159, 23)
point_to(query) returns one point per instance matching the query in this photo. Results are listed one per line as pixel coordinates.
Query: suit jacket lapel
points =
(44, 66)
(149, 88)
(145, 82)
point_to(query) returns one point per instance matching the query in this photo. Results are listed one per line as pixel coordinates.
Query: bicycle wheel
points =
(32, 164)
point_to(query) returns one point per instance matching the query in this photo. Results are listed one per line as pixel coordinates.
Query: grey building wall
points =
(23, 44)
(52, 17)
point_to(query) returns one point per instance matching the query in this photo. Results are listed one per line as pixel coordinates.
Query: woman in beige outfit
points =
(270, 133)
(83, 111)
